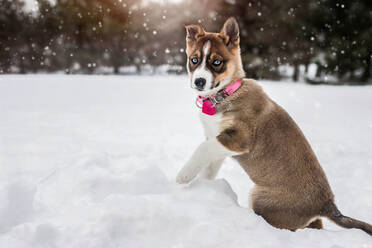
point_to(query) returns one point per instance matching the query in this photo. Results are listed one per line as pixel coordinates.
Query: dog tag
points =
(208, 108)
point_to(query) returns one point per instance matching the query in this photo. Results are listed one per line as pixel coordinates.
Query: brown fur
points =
(291, 190)
(291, 187)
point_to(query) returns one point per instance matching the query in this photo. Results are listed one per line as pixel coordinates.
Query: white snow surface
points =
(90, 161)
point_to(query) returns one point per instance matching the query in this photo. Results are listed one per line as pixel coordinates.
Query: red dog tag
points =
(208, 108)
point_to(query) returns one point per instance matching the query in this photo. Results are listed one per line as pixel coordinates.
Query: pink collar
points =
(208, 104)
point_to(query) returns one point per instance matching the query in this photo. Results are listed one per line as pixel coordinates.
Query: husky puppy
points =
(291, 190)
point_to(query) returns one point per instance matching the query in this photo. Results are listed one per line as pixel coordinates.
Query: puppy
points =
(291, 190)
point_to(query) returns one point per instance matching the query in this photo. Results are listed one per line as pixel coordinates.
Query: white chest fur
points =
(211, 124)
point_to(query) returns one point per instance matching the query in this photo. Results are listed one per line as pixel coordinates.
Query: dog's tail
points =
(331, 212)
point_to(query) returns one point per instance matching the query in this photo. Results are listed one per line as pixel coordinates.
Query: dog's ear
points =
(230, 32)
(193, 32)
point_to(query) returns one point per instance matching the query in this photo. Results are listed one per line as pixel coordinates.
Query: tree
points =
(344, 35)
(12, 23)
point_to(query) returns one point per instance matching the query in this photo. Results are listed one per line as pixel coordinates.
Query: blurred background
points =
(316, 41)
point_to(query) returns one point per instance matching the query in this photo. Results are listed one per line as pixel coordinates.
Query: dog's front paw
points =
(185, 175)
(182, 179)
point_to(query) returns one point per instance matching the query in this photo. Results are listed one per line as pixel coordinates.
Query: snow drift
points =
(91, 161)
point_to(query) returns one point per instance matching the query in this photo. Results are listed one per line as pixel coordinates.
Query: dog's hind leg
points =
(211, 171)
(277, 209)
(316, 224)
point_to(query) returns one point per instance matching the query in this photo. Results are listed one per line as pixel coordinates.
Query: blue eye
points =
(194, 60)
(217, 62)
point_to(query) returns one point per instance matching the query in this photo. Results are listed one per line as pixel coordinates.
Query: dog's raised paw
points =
(183, 179)
(185, 176)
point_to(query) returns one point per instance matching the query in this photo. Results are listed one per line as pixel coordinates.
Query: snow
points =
(90, 161)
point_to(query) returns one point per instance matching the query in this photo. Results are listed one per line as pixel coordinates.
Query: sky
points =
(31, 5)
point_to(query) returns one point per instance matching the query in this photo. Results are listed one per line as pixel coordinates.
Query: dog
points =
(240, 121)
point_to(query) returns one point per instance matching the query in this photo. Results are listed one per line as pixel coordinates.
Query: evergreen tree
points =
(77, 36)
(344, 34)
(13, 22)
(272, 34)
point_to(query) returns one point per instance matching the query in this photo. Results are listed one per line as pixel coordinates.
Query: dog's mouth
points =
(199, 88)
(204, 90)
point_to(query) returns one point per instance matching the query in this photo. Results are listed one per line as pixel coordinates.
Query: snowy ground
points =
(91, 161)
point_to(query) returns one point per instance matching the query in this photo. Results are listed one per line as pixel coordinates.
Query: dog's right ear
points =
(230, 32)
(193, 32)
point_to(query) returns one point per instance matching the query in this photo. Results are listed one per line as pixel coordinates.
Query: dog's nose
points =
(200, 83)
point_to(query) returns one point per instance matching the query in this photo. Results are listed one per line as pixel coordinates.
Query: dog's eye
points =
(194, 60)
(217, 62)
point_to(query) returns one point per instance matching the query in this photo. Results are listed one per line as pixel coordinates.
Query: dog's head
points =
(213, 59)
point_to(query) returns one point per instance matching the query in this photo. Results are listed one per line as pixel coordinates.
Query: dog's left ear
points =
(230, 32)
